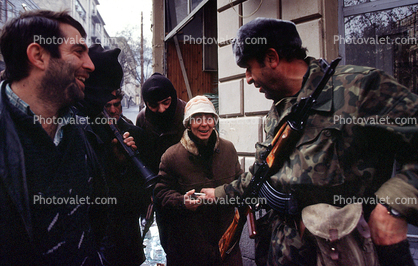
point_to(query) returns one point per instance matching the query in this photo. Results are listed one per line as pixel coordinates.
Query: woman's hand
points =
(190, 202)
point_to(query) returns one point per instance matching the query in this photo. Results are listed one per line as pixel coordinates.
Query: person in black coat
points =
(46, 163)
(125, 183)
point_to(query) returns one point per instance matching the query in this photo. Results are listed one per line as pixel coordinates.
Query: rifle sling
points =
(285, 203)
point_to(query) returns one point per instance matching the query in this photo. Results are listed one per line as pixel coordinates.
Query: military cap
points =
(260, 34)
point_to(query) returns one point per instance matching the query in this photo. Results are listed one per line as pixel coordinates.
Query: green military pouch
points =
(342, 235)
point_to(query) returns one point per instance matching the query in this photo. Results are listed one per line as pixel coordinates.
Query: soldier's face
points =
(268, 78)
(261, 76)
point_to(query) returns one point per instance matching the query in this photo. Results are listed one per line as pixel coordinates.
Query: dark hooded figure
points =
(124, 181)
(106, 78)
(162, 119)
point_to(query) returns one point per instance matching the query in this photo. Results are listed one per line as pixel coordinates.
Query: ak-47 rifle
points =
(277, 152)
(149, 177)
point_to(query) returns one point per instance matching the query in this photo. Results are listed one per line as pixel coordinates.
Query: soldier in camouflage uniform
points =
(355, 132)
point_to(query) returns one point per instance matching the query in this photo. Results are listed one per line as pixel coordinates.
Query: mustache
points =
(83, 73)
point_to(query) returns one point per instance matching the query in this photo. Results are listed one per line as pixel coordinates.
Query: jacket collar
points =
(312, 77)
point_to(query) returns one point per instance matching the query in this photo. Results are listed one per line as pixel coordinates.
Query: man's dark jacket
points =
(14, 198)
(16, 230)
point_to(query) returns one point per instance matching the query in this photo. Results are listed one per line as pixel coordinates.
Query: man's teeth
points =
(82, 79)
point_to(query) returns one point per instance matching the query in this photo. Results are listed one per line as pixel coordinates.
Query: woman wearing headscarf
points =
(191, 228)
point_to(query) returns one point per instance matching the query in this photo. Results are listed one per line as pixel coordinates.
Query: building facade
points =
(11, 8)
(85, 12)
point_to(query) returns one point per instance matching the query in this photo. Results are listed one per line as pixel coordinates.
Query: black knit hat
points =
(260, 34)
(157, 88)
(106, 77)
(108, 72)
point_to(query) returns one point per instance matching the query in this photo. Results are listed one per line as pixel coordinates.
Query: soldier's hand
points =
(191, 203)
(386, 229)
(209, 193)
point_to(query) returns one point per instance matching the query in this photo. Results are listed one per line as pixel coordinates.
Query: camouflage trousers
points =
(288, 248)
(280, 243)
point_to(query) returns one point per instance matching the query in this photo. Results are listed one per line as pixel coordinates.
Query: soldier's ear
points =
(272, 58)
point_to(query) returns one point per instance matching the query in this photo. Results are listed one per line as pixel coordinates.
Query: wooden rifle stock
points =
(228, 240)
(284, 142)
(286, 137)
(279, 150)
(252, 230)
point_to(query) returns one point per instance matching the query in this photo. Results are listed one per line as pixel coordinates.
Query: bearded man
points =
(50, 174)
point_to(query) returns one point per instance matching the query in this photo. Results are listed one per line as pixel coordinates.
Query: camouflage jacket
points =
(362, 122)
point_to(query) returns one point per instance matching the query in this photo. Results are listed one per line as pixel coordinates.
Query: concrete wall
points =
(241, 106)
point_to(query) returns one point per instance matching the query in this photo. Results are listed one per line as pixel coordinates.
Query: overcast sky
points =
(121, 13)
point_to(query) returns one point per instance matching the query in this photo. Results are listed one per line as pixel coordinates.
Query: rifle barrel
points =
(149, 177)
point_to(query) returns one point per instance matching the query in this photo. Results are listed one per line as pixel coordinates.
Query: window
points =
(384, 36)
(93, 8)
(355, 2)
(10, 11)
(98, 28)
(178, 10)
(195, 3)
(80, 10)
(93, 29)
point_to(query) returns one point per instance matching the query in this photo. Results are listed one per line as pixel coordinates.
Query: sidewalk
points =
(131, 112)
(154, 252)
